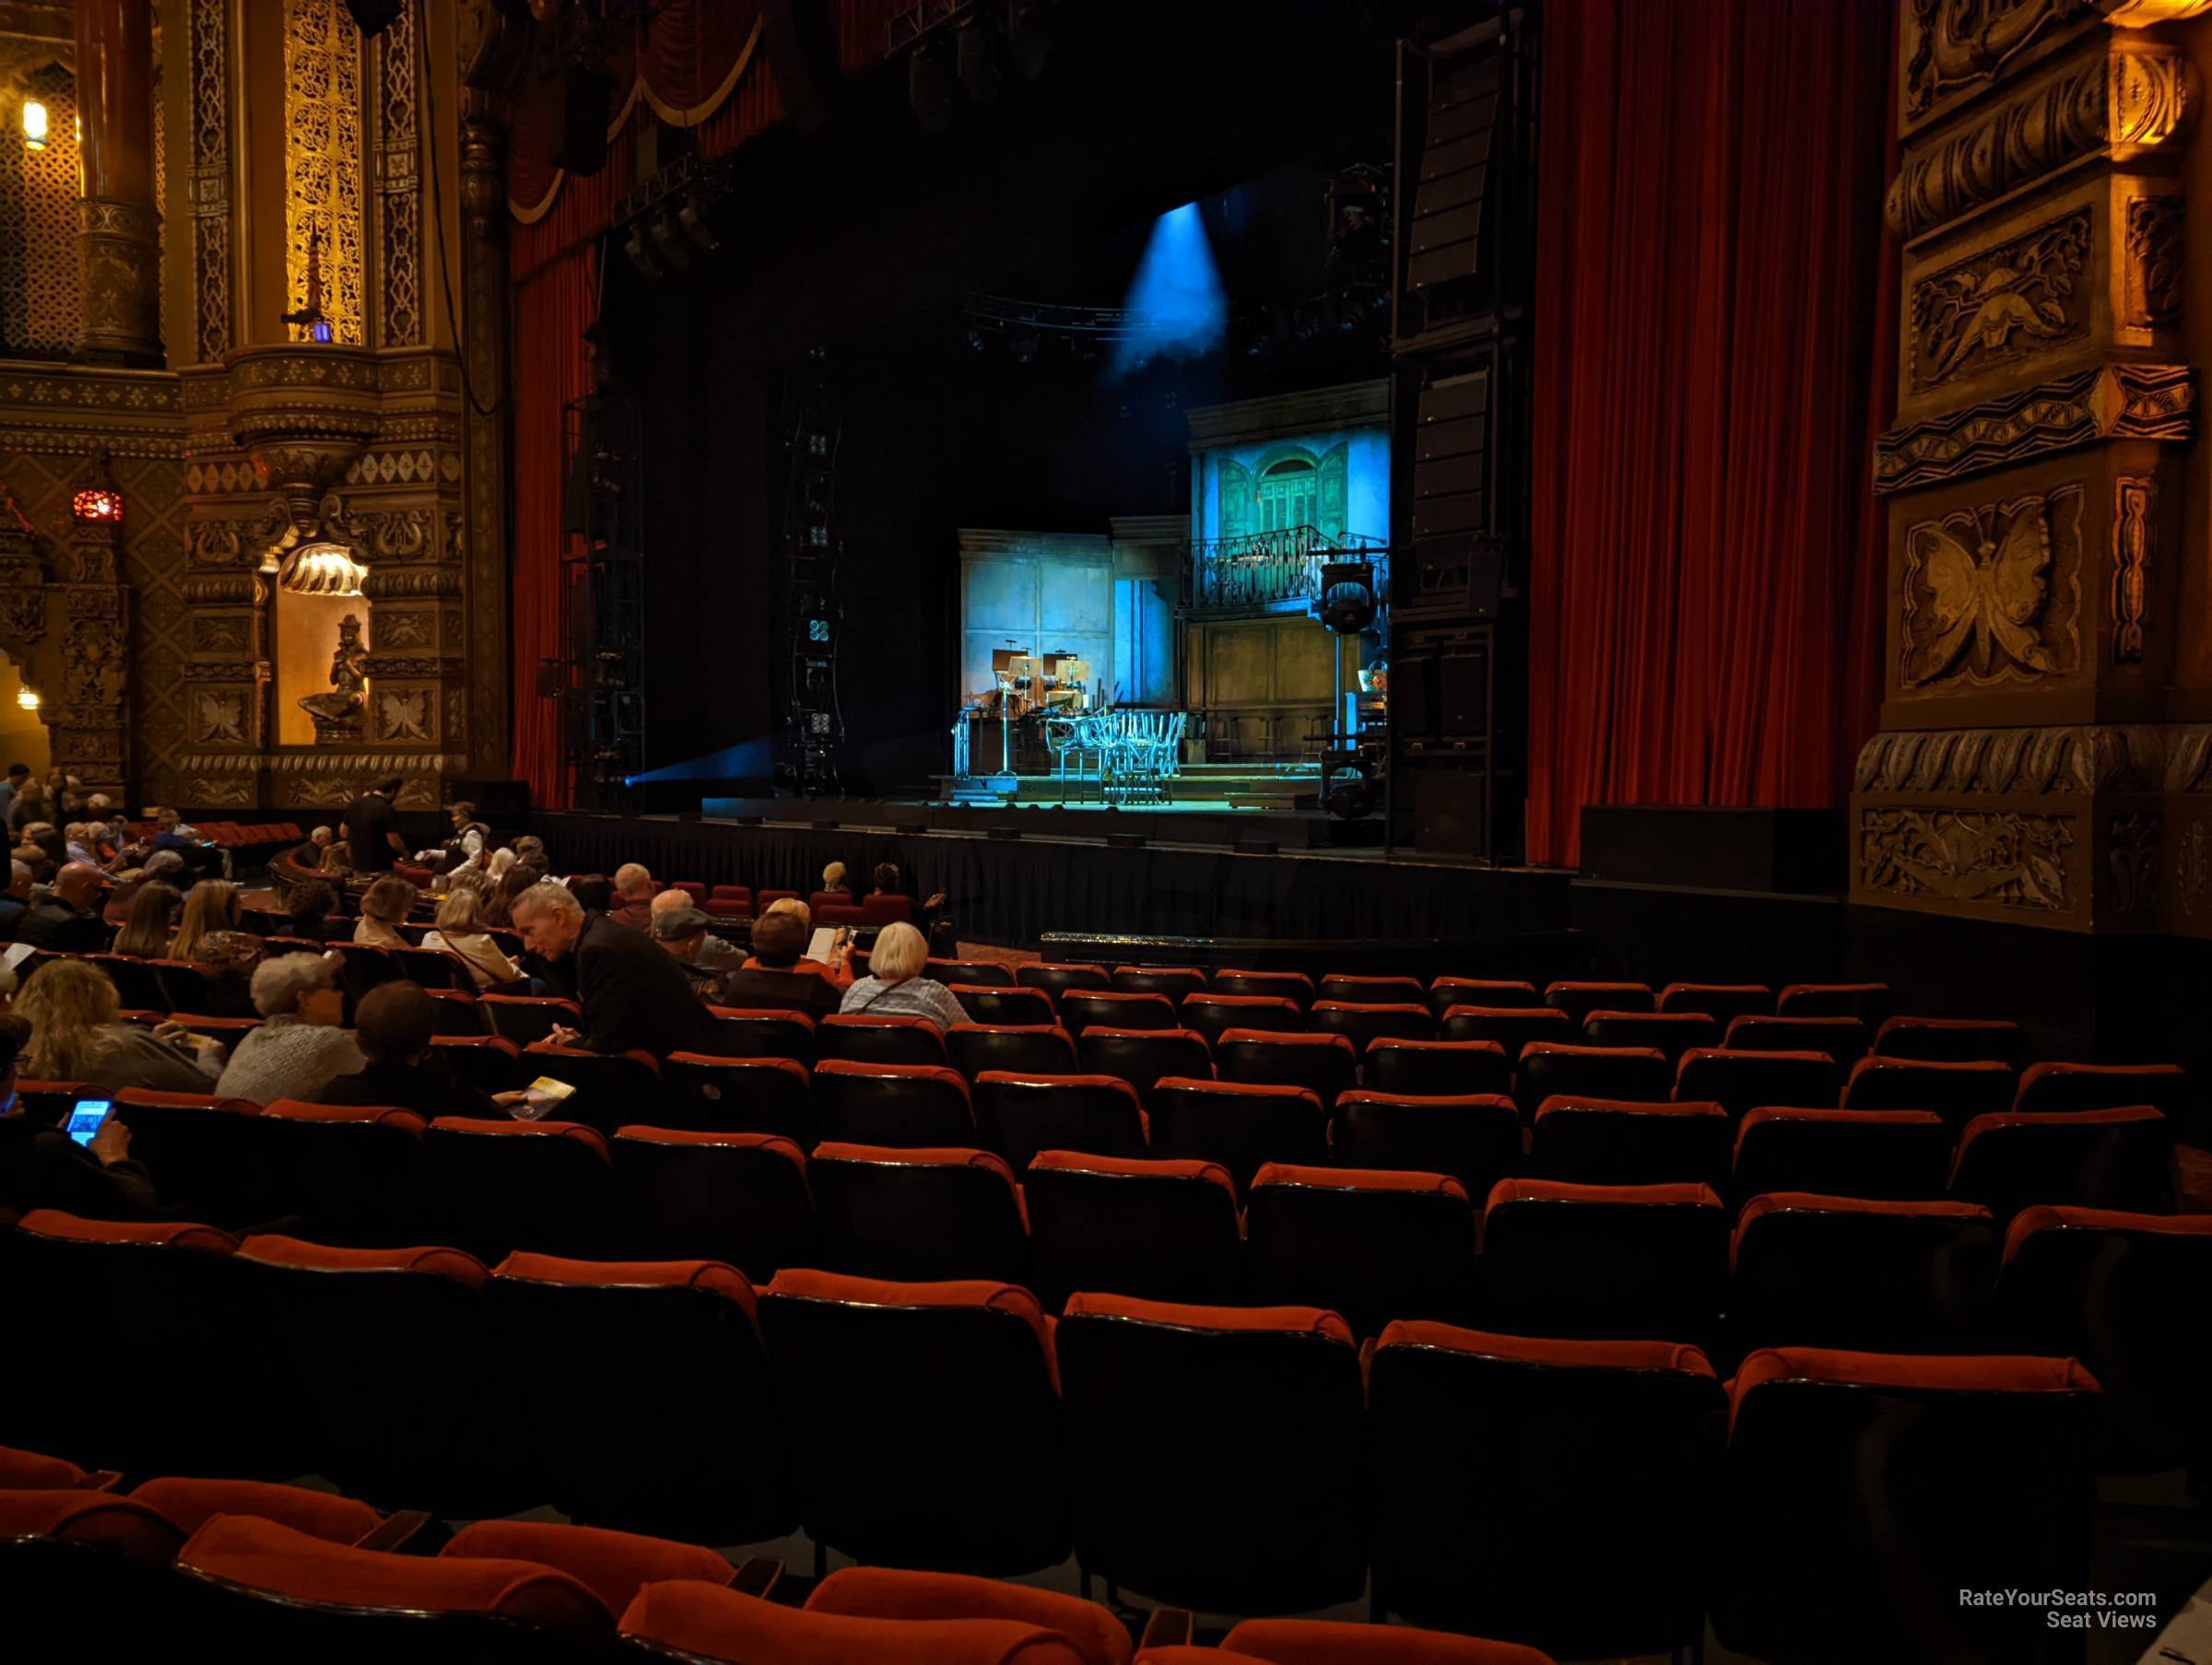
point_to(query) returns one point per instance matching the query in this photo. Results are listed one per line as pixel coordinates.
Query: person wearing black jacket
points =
(69, 919)
(633, 993)
(42, 1166)
(393, 1029)
(770, 982)
(372, 830)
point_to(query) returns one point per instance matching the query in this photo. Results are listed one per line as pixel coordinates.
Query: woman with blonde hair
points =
(460, 930)
(833, 880)
(78, 1034)
(212, 906)
(145, 932)
(388, 901)
(895, 987)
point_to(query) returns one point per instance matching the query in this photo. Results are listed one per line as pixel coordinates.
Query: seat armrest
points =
(757, 1577)
(1168, 1628)
(395, 1531)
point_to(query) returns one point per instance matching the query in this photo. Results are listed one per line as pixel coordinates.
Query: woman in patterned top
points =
(895, 986)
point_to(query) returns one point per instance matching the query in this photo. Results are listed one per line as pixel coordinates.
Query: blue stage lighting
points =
(1176, 307)
(741, 762)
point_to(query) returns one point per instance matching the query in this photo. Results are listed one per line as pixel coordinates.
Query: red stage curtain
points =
(1707, 240)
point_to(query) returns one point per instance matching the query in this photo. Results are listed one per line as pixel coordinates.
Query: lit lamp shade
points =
(34, 124)
(96, 505)
(27, 698)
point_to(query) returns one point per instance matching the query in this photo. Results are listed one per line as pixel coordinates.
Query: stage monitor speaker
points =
(1451, 813)
(1463, 680)
(582, 98)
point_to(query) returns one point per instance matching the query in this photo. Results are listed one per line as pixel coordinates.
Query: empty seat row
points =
(1592, 1497)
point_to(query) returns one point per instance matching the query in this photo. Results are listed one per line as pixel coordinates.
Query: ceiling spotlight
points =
(975, 339)
(1029, 34)
(977, 55)
(693, 218)
(1024, 348)
(929, 89)
(640, 256)
(669, 238)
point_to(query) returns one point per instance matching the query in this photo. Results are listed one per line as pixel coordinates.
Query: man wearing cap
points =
(715, 954)
(683, 933)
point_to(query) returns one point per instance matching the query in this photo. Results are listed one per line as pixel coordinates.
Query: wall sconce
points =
(26, 698)
(97, 506)
(34, 124)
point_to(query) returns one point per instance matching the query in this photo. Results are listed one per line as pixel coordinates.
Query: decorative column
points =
(2037, 473)
(118, 229)
(483, 349)
(91, 730)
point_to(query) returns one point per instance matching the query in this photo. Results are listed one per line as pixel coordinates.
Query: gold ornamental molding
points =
(1954, 51)
(2011, 859)
(2110, 402)
(2123, 99)
(2076, 759)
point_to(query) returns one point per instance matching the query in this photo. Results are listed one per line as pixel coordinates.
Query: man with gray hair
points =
(633, 896)
(633, 994)
(68, 921)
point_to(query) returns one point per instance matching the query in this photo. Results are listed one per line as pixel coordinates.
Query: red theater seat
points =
(1336, 1642)
(1436, 1068)
(1869, 1003)
(867, 1039)
(1671, 1033)
(1509, 1027)
(201, 1147)
(1041, 1048)
(1578, 1000)
(1957, 1092)
(885, 1593)
(911, 1105)
(1141, 1057)
(31, 1471)
(1287, 985)
(1325, 1065)
(651, 1403)
(1615, 1141)
(1056, 979)
(84, 1575)
(487, 1063)
(1363, 1022)
(763, 1034)
(1022, 1114)
(1372, 990)
(1949, 1039)
(1897, 1155)
(356, 1175)
(1212, 1013)
(1114, 1008)
(499, 1186)
(1239, 1124)
(680, 1620)
(435, 969)
(1216, 1392)
(981, 974)
(1742, 1081)
(524, 1018)
(1642, 1262)
(915, 1215)
(1373, 1245)
(1608, 1439)
(1845, 1271)
(926, 1419)
(2048, 1087)
(989, 1003)
(1634, 1074)
(1174, 981)
(740, 1198)
(1724, 1003)
(1492, 992)
(1475, 1137)
(612, 1088)
(746, 1094)
(188, 1505)
(2118, 1159)
(1803, 1530)
(615, 1566)
(1843, 1038)
(1164, 1229)
(2113, 1290)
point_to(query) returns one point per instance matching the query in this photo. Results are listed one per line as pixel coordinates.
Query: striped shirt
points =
(916, 997)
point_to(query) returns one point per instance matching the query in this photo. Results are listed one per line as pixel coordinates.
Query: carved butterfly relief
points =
(1984, 597)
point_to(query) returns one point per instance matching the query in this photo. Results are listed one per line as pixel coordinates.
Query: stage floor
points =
(1195, 788)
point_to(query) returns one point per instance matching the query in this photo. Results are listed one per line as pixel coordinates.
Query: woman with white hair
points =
(895, 987)
(299, 1048)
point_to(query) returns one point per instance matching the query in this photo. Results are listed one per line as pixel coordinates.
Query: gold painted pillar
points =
(2038, 473)
(118, 226)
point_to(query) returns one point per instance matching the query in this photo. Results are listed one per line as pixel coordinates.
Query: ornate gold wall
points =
(2036, 759)
(160, 674)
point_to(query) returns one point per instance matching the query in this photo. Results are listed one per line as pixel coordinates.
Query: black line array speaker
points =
(1451, 812)
(1463, 682)
(582, 98)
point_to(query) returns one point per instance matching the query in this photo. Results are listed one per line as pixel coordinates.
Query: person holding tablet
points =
(86, 1170)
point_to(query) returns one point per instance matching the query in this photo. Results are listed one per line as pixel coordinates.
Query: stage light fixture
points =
(1029, 35)
(1024, 348)
(975, 340)
(669, 238)
(640, 256)
(977, 54)
(692, 217)
(929, 86)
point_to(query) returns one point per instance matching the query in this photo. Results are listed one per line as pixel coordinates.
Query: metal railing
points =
(1266, 568)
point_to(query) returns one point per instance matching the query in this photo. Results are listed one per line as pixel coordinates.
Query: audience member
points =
(633, 896)
(835, 971)
(595, 891)
(470, 837)
(18, 773)
(104, 830)
(42, 1167)
(211, 907)
(386, 904)
(833, 880)
(773, 978)
(159, 867)
(895, 986)
(683, 933)
(512, 884)
(15, 902)
(308, 911)
(28, 804)
(171, 833)
(631, 992)
(337, 860)
(714, 954)
(309, 854)
(47, 838)
(68, 920)
(145, 931)
(299, 1047)
(531, 848)
(890, 882)
(460, 930)
(78, 1034)
(372, 829)
(37, 860)
(393, 1029)
(498, 863)
(77, 839)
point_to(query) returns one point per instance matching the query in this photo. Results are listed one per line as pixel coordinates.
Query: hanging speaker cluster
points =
(961, 51)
